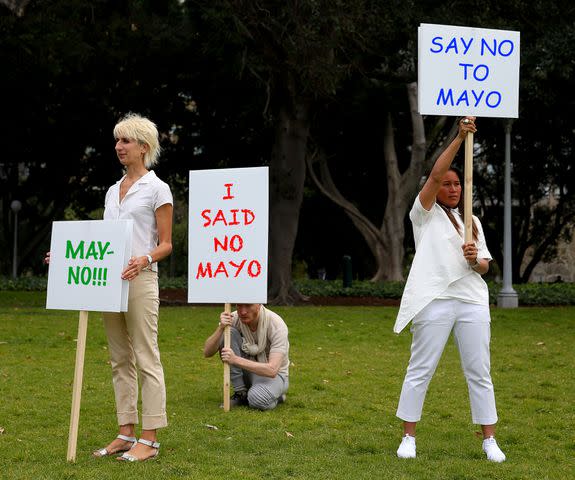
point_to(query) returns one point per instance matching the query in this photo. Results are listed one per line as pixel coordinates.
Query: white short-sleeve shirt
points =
(140, 204)
(439, 269)
(470, 289)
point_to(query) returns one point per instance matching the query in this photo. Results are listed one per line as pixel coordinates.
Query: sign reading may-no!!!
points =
(468, 71)
(228, 236)
(86, 262)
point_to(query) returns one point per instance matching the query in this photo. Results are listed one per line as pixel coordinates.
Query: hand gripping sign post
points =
(86, 262)
(468, 71)
(228, 241)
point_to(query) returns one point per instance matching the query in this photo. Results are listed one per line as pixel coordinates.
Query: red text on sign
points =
(234, 217)
(230, 268)
(235, 243)
(228, 196)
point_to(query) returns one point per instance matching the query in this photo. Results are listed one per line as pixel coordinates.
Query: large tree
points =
(386, 240)
(298, 52)
(70, 69)
(542, 145)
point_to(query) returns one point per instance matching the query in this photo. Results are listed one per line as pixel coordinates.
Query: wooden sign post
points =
(227, 309)
(468, 183)
(77, 389)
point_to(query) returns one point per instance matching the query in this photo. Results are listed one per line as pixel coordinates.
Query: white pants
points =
(431, 329)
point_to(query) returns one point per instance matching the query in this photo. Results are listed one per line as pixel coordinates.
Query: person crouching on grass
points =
(445, 292)
(258, 357)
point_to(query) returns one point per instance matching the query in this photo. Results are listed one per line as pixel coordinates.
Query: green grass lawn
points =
(338, 422)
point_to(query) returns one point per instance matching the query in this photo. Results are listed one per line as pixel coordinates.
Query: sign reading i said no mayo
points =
(228, 235)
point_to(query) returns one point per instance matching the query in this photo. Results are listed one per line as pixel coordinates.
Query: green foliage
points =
(364, 288)
(339, 419)
(530, 294)
(209, 72)
(26, 284)
(173, 282)
(546, 293)
(73, 67)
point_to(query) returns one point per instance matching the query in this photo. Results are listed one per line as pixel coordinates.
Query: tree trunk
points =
(386, 242)
(287, 176)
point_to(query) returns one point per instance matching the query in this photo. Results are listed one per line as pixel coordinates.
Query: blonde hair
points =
(144, 131)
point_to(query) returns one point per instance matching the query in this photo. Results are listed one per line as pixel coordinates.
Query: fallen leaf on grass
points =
(210, 427)
(3, 343)
(540, 343)
(2, 430)
(289, 434)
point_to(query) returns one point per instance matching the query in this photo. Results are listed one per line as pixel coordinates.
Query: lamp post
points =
(16, 206)
(507, 297)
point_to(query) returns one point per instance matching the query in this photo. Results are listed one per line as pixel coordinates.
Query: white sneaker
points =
(492, 450)
(407, 447)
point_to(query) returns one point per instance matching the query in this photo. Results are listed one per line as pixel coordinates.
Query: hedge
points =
(529, 293)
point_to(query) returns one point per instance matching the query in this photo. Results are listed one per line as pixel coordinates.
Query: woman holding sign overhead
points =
(444, 293)
(133, 336)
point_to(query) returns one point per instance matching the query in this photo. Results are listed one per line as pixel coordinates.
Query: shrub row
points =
(529, 293)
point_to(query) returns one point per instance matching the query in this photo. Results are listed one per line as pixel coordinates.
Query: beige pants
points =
(133, 345)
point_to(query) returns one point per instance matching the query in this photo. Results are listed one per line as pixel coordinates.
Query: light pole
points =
(507, 297)
(16, 206)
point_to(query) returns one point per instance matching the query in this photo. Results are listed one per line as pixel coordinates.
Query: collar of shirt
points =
(147, 178)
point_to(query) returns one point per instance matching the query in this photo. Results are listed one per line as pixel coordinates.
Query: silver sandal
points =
(130, 458)
(104, 452)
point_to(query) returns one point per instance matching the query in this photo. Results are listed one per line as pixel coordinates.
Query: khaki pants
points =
(133, 344)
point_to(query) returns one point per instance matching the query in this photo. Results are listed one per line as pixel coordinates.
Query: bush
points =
(363, 288)
(529, 293)
(24, 284)
(546, 293)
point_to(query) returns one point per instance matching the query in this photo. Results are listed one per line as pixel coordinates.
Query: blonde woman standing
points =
(133, 336)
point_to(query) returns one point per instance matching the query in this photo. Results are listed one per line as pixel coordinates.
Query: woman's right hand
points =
(47, 258)
(466, 125)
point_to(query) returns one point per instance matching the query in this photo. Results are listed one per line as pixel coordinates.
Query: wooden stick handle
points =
(468, 198)
(77, 389)
(227, 341)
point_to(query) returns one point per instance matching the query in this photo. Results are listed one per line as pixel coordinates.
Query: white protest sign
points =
(86, 262)
(228, 236)
(468, 71)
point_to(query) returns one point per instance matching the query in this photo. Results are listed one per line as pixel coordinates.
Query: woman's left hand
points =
(135, 266)
(470, 252)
